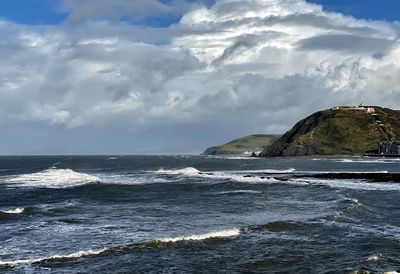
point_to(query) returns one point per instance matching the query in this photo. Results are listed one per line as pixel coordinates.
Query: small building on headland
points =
(368, 109)
(389, 148)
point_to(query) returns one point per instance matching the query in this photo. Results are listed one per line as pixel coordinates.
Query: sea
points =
(197, 214)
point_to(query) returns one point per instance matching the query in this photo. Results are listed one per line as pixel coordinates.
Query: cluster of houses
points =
(389, 148)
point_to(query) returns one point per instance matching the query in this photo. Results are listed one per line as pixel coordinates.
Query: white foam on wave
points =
(235, 175)
(52, 178)
(270, 171)
(346, 161)
(354, 204)
(131, 179)
(295, 182)
(354, 201)
(193, 171)
(112, 158)
(369, 161)
(188, 171)
(349, 184)
(200, 237)
(18, 210)
(375, 258)
(241, 178)
(74, 255)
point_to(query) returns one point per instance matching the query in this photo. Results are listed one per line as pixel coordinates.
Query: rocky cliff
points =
(336, 131)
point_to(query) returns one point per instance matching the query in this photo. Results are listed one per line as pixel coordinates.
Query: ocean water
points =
(197, 214)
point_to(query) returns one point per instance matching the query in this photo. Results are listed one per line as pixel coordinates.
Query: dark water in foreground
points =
(195, 214)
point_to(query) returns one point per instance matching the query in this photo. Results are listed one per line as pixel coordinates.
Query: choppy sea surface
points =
(197, 214)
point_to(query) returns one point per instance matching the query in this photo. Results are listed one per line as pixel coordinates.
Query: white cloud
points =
(238, 67)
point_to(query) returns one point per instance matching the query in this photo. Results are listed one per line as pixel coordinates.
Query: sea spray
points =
(52, 178)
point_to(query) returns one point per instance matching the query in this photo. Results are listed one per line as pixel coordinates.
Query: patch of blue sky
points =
(387, 10)
(31, 12)
(36, 12)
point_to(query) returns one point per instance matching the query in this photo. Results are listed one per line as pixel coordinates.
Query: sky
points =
(177, 76)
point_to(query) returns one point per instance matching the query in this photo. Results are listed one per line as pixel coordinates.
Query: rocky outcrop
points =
(338, 131)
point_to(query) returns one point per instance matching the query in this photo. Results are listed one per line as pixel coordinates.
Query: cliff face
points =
(251, 143)
(338, 131)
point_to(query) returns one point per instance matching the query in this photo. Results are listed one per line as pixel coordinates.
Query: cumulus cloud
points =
(346, 42)
(234, 68)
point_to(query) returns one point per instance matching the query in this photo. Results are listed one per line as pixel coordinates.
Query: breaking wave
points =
(52, 178)
(18, 210)
(112, 158)
(348, 184)
(53, 258)
(375, 258)
(151, 244)
(130, 179)
(353, 205)
(369, 161)
(256, 176)
(270, 171)
(190, 171)
(201, 237)
(243, 176)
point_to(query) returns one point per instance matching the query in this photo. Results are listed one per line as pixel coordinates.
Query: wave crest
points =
(270, 171)
(75, 255)
(18, 210)
(200, 237)
(348, 184)
(242, 176)
(52, 178)
(375, 258)
(151, 244)
(188, 171)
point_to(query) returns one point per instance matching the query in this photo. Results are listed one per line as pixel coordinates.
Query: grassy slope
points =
(249, 143)
(337, 132)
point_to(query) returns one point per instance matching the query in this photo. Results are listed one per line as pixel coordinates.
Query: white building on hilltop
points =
(368, 109)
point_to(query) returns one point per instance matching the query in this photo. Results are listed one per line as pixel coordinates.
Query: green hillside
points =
(339, 131)
(253, 143)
